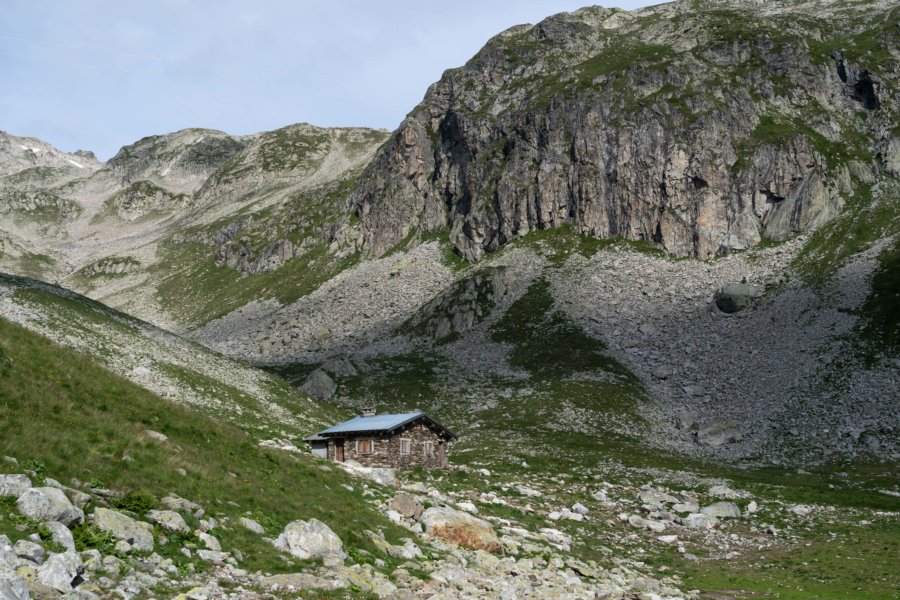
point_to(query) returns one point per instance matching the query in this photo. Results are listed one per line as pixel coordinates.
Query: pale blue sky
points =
(98, 74)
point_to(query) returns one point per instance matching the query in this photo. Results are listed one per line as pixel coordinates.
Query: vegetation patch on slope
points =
(881, 311)
(870, 215)
(196, 285)
(198, 290)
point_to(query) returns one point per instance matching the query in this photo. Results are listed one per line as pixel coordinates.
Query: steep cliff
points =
(703, 127)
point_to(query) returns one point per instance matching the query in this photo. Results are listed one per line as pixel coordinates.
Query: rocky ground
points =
(450, 552)
(458, 545)
(472, 534)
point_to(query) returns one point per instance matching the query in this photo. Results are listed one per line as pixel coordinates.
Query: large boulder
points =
(175, 502)
(123, 527)
(656, 498)
(722, 510)
(734, 297)
(169, 519)
(312, 539)
(209, 541)
(319, 385)
(368, 580)
(460, 528)
(60, 571)
(719, 433)
(13, 485)
(252, 525)
(78, 498)
(216, 557)
(407, 505)
(49, 504)
(699, 521)
(642, 523)
(381, 475)
(301, 581)
(30, 551)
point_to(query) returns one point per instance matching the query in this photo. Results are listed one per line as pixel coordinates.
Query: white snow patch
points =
(77, 164)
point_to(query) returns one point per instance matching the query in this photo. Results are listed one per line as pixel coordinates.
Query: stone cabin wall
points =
(386, 451)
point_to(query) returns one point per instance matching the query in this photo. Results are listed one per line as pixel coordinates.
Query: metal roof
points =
(380, 423)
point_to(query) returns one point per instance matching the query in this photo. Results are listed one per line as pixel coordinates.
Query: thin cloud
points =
(79, 46)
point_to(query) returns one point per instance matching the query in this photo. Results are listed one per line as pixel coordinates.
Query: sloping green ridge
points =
(107, 335)
(66, 417)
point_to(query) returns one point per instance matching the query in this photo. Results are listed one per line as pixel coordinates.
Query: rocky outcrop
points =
(184, 159)
(112, 266)
(19, 154)
(142, 199)
(719, 433)
(624, 126)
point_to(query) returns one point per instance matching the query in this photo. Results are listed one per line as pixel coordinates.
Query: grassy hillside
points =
(64, 417)
(185, 372)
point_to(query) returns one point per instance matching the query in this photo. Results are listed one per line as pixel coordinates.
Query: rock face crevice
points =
(621, 125)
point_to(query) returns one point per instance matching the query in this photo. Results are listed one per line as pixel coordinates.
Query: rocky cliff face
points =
(702, 127)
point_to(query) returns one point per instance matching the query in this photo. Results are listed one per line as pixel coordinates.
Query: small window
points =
(428, 449)
(365, 446)
(405, 447)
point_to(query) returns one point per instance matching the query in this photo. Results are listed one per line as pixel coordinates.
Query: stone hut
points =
(398, 441)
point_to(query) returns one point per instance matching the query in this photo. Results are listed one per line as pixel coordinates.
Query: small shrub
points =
(33, 465)
(265, 520)
(136, 502)
(88, 537)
